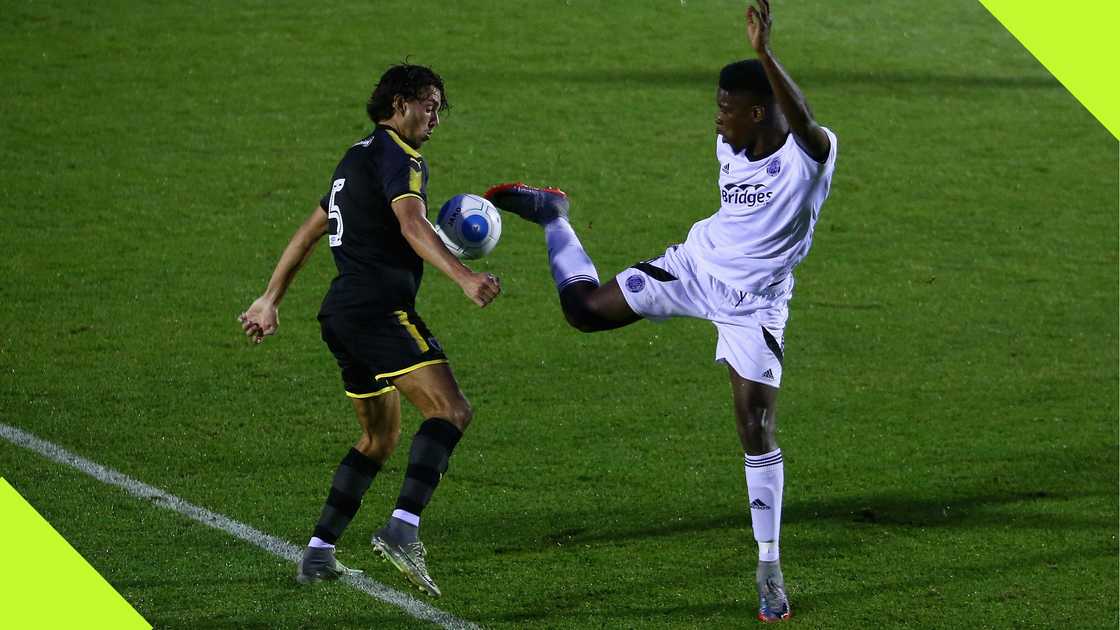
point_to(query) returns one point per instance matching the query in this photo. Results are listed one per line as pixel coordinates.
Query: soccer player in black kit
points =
(375, 218)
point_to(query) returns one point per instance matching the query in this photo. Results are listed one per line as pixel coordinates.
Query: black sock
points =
(427, 462)
(351, 480)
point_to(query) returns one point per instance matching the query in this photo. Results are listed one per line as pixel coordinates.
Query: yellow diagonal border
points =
(1077, 42)
(45, 583)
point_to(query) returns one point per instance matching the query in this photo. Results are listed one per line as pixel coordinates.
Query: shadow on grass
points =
(1033, 509)
(980, 510)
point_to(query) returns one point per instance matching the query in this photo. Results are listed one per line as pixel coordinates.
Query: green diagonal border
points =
(43, 569)
(1077, 42)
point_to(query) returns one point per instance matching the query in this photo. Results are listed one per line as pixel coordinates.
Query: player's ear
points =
(758, 113)
(400, 105)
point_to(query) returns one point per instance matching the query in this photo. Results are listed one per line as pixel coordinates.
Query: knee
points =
(459, 413)
(581, 321)
(755, 421)
(757, 429)
(380, 445)
(581, 316)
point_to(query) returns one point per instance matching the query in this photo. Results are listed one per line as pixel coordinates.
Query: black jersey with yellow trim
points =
(377, 268)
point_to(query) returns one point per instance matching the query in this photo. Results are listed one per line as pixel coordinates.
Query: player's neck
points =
(395, 124)
(764, 143)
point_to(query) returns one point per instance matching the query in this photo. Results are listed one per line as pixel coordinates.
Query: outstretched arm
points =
(790, 100)
(481, 288)
(262, 318)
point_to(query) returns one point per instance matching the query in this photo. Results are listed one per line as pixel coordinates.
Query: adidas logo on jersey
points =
(757, 504)
(749, 195)
(726, 168)
(768, 374)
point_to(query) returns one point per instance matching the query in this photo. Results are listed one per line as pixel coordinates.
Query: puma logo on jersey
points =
(749, 195)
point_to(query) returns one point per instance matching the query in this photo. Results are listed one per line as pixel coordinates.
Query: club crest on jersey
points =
(774, 167)
(635, 283)
(749, 195)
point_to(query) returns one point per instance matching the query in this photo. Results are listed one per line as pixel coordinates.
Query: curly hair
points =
(407, 81)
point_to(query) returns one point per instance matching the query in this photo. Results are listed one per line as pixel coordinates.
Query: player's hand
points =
(261, 320)
(481, 288)
(759, 22)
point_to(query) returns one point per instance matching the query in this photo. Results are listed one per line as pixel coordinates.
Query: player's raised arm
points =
(481, 288)
(262, 318)
(790, 100)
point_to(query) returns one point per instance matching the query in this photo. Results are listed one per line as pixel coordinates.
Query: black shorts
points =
(374, 348)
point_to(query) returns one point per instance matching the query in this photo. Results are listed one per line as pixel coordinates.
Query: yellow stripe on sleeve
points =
(415, 177)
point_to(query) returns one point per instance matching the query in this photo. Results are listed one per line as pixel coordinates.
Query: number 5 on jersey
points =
(334, 214)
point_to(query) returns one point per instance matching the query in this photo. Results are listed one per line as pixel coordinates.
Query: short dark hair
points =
(747, 75)
(407, 81)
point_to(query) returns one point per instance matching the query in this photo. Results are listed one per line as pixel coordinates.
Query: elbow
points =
(410, 230)
(307, 242)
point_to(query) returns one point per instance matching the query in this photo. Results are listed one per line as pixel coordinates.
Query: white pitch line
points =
(271, 544)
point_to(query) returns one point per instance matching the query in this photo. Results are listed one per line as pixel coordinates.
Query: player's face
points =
(736, 117)
(421, 117)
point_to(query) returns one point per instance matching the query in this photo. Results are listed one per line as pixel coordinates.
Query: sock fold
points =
(765, 480)
(427, 463)
(566, 256)
(351, 480)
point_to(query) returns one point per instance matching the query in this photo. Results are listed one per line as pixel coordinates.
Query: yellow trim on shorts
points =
(383, 390)
(401, 143)
(421, 343)
(410, 368)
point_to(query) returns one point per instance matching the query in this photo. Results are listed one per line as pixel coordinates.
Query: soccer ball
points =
(469, 225)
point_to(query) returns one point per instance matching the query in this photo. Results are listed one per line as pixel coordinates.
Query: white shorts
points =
(750, 326)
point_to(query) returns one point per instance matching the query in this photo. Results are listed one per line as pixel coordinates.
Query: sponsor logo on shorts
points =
(749, 195)
(774, 167)
(768, 374)
(758, 504)
(635, 283)
(435, 344)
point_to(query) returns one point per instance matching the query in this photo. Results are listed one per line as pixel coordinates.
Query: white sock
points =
(765, 478)
(319, 543)
(407, 517)
(566, 256)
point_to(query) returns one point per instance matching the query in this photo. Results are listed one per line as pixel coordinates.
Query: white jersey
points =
(769, 208)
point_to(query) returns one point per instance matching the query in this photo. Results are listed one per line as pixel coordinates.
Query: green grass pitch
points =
(949, 408)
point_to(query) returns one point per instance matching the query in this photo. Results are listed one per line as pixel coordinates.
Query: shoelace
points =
(775, 596)
(419, 552)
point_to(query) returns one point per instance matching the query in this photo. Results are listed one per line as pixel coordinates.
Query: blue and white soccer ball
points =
(469, 225)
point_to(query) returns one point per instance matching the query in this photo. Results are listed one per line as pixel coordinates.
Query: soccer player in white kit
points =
(735, 269)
